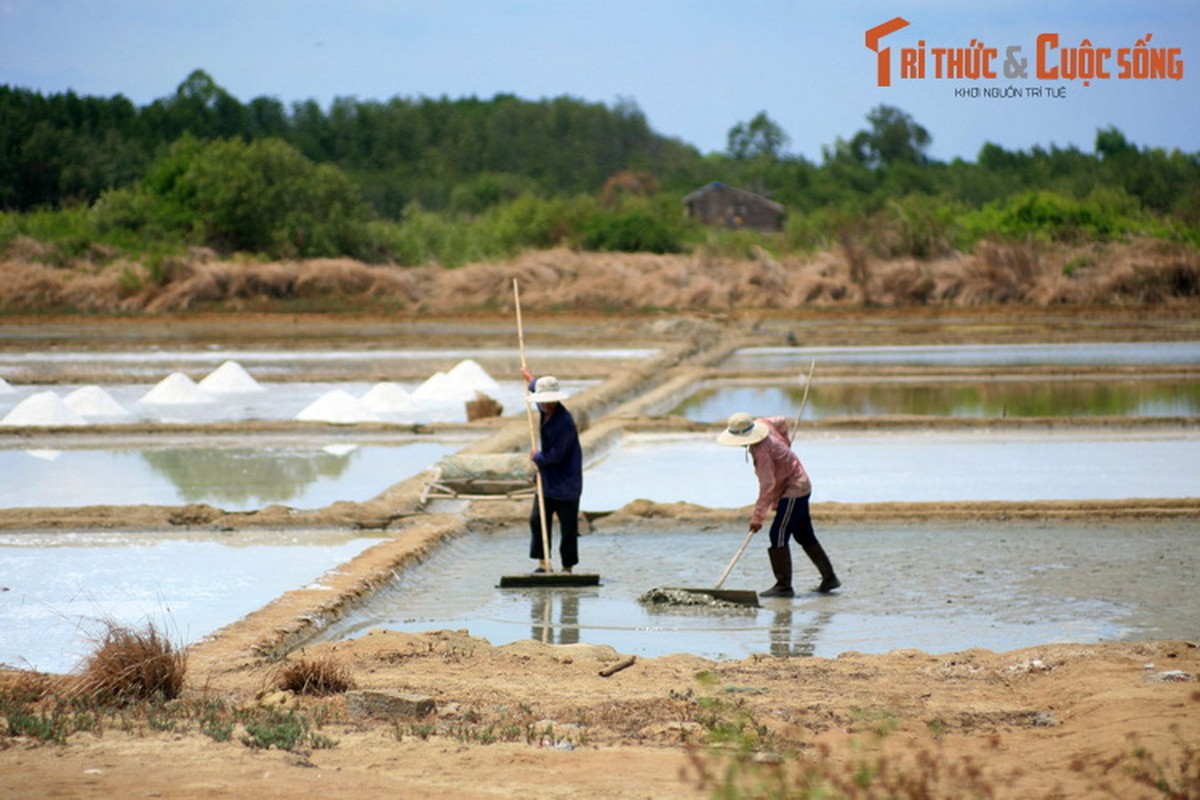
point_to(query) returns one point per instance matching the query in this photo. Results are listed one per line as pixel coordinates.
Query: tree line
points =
(412, 179)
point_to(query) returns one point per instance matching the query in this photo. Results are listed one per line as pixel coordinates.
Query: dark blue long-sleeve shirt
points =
(561, 458)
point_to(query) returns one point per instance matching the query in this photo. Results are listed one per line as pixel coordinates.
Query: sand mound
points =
(338, 406)
(92, 401)
(177, 389)
(230, 378)
(43, 408)
(388, 398)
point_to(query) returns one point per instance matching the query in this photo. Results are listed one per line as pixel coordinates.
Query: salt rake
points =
(549, 578)
(744, 597)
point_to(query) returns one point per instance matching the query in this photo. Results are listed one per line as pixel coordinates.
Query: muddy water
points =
(58, 590)
(898, 466)
(1012, 586)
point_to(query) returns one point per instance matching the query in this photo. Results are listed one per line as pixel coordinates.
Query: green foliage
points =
(1041, 215)
(285, 731)
(422, 180)
(262, 197)
(637, 226)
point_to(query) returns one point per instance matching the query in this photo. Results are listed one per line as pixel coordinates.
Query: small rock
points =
(388, 705)
(1171, 676)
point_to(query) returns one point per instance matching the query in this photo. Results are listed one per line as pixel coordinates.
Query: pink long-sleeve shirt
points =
(780, 473)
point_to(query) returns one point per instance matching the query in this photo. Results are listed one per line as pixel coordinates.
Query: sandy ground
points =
(530, 719)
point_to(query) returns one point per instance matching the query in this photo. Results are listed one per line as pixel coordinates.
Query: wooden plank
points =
(548, 579)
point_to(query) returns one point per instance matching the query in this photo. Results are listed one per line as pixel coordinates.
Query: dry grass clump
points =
(130, 665)
(320, 676)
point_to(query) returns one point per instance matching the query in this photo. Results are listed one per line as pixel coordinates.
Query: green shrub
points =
(636, 227)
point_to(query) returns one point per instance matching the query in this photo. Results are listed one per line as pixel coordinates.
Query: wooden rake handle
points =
(736, 556)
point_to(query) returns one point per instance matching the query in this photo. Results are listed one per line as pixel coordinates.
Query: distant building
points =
(718, 204)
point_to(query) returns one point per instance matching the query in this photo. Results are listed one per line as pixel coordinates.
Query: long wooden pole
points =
(803, 400)
(541, 498)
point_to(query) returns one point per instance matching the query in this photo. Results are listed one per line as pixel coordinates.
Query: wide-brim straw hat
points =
(743, 429)
(545, 390)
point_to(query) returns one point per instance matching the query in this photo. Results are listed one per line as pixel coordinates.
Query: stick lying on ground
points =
(617, 667)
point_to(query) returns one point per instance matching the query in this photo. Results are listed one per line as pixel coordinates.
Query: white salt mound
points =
(177, 389)
(92, 401)
(469, 372)
(388, 397)
(230, 378)
(43, 408)
(339, 449)
(440, 387)
(45, 455)
(337, 406)
(6, 387)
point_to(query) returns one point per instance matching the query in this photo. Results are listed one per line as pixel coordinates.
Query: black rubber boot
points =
(829, 580)
(781, 565)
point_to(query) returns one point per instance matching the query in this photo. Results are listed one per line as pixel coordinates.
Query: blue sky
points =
(695, 68)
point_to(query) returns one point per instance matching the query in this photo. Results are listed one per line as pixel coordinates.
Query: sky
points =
(695, 68)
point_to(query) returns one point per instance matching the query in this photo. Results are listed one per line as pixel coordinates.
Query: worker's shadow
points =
(550, 627)
(790, 639)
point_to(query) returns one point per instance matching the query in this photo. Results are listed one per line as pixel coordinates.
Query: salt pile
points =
(43, 408)
(92, 401)
(456, 386)
(177, 389)
(6, 387)
(339, 449)
(388, 398)
(230, 378)
(441, 388)
(337, 406)
(45, 455)
(475, 376)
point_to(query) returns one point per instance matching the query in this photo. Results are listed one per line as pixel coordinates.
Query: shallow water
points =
(908, 466)
(241, 478)
(1012, 398)
(58, 591)
(936, 587)
(1006, 355)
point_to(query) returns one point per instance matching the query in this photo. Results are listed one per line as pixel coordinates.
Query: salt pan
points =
(177, 389)
(230, 378)
(388, 398)
(43, 408)
(337, 406)
(92, 401)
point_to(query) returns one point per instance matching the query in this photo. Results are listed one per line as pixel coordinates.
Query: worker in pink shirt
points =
(783, 485)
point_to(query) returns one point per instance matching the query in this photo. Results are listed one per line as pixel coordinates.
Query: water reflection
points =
(244, 476)
(235, 479)
(1010, 355)
(789, 640)
(1042, 398)
(549, 627)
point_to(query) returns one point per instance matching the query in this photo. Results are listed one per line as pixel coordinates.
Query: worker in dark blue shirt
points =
(560, 462)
